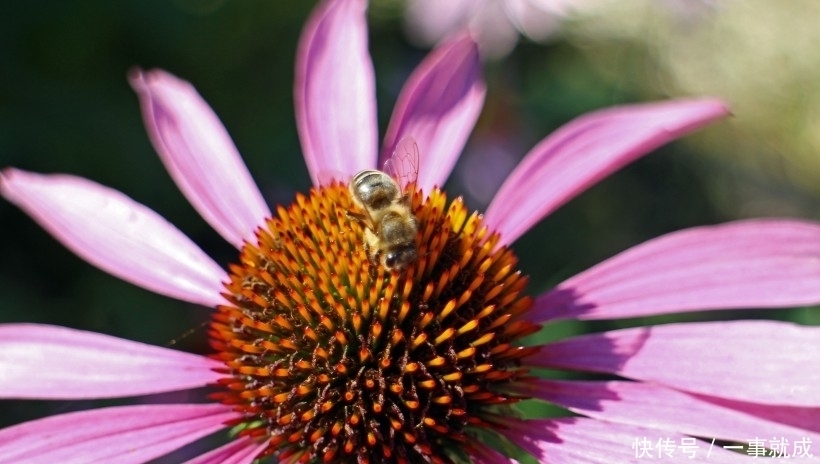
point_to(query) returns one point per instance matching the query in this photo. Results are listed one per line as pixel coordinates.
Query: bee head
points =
(398, 258)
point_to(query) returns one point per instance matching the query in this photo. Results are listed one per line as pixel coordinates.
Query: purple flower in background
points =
(322, 355)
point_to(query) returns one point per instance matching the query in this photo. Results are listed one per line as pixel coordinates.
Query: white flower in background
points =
(495, 24)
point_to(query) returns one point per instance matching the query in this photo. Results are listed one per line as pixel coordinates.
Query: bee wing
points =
(404, 164)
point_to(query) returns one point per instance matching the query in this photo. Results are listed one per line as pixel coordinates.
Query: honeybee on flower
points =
(390, 227)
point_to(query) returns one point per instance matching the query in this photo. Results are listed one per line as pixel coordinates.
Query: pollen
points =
(331, 358)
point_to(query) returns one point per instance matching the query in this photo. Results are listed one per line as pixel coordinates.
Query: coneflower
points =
(322, 355)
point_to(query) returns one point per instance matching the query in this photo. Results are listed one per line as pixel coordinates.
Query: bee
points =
(390, 227)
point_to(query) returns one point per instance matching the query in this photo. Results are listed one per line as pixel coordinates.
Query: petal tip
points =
(712, 106)
(6, 173)
(145, 81)
(463, 44)
(463, 39)
(701, 112)
(11, 178)
(136, 77)
(5, 179)
(720, 106)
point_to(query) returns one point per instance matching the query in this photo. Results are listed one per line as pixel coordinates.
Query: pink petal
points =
(660, 408)
(50, 362)
(585, 151)
(335, 92)
(755, 361)
(124, 434)
(576, 440)
(796, 416)
(241, 451)
(200, 156)
(747, 264)
(439, 106)
(116, 234)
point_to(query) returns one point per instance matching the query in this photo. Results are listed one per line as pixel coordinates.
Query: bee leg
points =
(372, 252)
(373, 257)
(358, 217)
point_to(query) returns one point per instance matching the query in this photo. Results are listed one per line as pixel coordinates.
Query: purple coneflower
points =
(322, 356)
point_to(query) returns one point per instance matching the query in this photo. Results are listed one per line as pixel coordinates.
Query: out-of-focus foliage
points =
(761, 57)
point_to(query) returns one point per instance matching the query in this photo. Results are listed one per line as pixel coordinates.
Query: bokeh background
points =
(65, 106)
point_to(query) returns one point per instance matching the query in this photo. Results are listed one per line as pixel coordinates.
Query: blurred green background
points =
(65, 106)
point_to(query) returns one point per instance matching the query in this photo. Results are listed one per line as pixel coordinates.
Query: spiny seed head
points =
(331, 358)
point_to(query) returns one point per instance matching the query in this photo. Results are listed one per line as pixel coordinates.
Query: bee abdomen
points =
(374, 189)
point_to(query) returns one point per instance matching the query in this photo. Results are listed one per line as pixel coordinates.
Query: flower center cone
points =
(332, 358)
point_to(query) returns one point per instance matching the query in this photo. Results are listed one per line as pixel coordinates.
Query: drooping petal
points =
(585, 151)
(116, 234)
(50, 362)
(764, 362)
(745, 264)
(438, 107)
(241, 451)
(664, 409)
(123, 434)
(576, 440)
(200, 155)
(335, 92)
(483, 454)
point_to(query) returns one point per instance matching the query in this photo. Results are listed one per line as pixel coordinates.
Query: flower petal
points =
(240, 451)
(123, 434)
(745, 264)
(796, 416)
(585, 151)
(480, 453)
(755, 361)
(116, 234)
(335, 92)
(438, 107)
(657, 407)
(200, 156)
(576, 440)
(50, 362)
